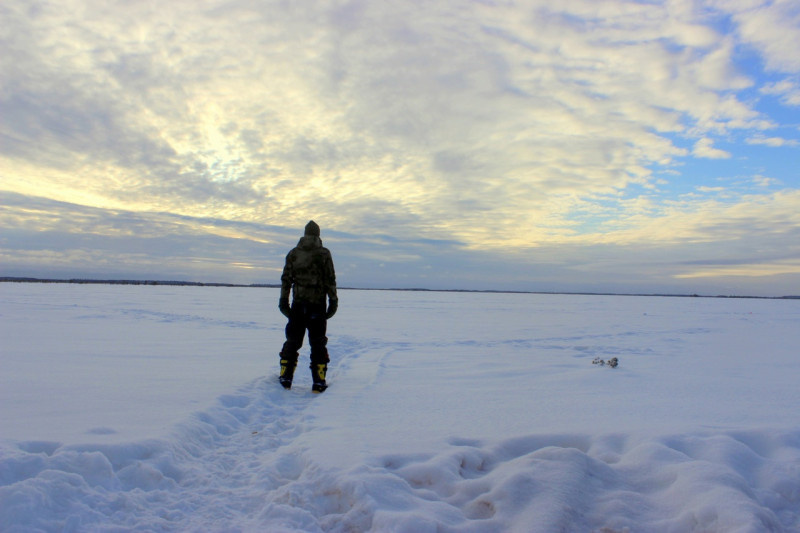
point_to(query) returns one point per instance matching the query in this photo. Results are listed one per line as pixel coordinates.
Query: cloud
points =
(653, 250)
(771, 141)
(442, 104)
(787, 90)
(78, 239)
(704, 148)
(764, 181)
(771, 27)
(756, 269)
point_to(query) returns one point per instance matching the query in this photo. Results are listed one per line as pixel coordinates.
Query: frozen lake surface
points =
(158, 408)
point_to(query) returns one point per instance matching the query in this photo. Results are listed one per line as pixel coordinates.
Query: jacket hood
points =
(312, 228)
(309, 242)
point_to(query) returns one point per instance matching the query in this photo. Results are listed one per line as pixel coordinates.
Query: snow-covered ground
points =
(157, 408)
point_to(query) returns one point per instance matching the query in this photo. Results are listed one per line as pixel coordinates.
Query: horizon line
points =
(92, 281)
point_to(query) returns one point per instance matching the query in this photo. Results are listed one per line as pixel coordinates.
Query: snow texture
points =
(141, 408)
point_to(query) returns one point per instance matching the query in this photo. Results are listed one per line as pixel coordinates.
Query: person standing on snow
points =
(310, 276)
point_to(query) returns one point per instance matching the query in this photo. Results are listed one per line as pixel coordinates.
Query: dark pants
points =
(305, 316)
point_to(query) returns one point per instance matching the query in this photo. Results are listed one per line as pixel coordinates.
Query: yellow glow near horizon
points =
(755, 270)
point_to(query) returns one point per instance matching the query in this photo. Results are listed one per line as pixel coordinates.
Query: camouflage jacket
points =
(309, 273)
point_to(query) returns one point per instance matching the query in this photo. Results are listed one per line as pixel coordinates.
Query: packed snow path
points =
(488, 422)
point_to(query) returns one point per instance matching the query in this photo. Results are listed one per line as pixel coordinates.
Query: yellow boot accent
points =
(318, 372)
(287, 373)
(321, 370)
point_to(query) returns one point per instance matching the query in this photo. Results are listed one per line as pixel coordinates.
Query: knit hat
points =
(312, 229)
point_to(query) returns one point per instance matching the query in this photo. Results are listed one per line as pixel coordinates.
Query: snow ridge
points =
(242, 466)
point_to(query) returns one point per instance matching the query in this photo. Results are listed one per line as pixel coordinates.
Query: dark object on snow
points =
(613, 362)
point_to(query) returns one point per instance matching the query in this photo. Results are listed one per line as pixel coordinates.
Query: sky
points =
(582, 145)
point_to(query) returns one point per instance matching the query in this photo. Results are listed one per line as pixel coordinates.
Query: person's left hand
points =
(333, 305)
(283, 305)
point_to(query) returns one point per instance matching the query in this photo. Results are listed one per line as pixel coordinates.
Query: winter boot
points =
(287, 372)
(318, 371)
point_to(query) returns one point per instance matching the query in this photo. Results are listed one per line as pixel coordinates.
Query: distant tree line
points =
(273, 285)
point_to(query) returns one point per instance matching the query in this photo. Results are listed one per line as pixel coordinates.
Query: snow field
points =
(446, 412)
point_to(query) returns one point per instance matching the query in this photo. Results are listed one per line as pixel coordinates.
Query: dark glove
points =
(283, 305)
(333, 305)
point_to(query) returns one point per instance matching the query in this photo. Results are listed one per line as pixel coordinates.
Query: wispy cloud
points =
(787, 90)
(704, 148)
(772, 141)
